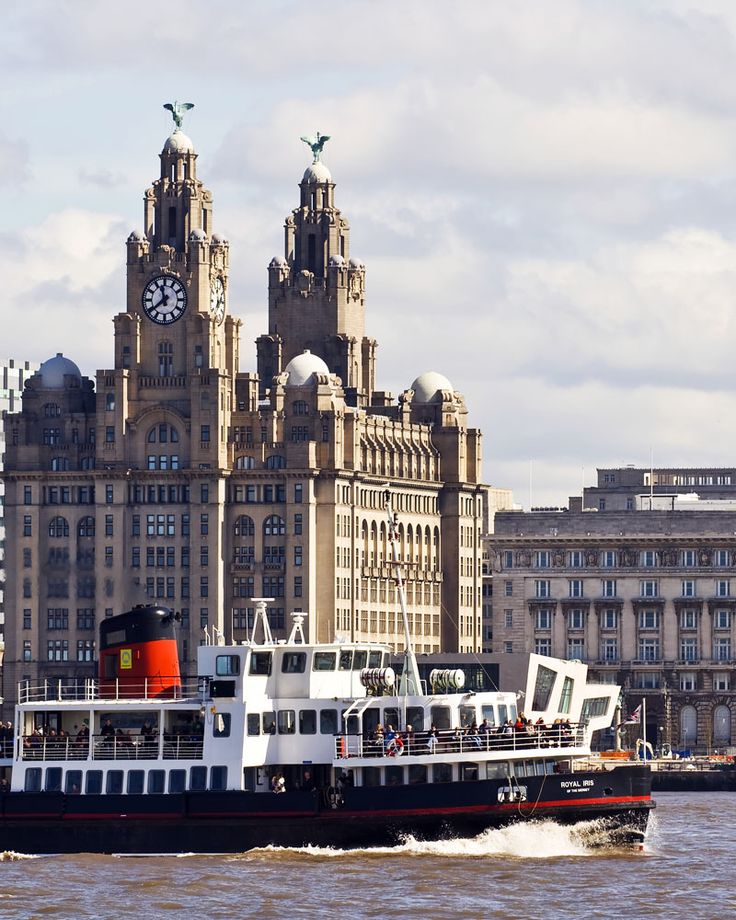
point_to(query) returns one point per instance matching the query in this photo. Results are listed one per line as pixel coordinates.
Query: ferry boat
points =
(290, 743)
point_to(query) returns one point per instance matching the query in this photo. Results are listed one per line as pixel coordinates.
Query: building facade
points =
(628, 488)
(646, 598)
(174, 477)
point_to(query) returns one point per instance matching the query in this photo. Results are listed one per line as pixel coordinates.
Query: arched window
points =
(244, 463)
(109, 401)
(59, 527)
(86, 527)
(60, 464)
(688, 726)
(300, 407)
(51, 410)
(274, 526)
(87, 463)
(275, 462)
(163, 434)
(721, 725)
(244, 526)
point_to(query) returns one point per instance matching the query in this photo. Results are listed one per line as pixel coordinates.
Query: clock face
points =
(164, 299)
(217, 300)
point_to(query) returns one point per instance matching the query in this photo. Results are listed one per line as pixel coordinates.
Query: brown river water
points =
(686, 869)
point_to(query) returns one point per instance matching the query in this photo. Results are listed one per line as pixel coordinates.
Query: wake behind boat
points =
(295, 744)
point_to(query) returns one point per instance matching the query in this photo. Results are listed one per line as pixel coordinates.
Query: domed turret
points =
(301, 368)
(427, 386)
(55, 371)
(178, 142)
(317, 173)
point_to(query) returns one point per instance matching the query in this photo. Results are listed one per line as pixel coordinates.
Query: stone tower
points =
(316, 294)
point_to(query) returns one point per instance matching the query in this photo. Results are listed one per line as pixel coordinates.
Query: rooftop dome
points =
(301, 368)
(219, 240)
(337, 260)
(278, 261)
(56, 369)
(428, 385)
(136, 236)
(198, 234)
(178, 142)
(317, 172)
(356, 263)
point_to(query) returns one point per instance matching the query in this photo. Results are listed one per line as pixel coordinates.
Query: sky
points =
(543, 193)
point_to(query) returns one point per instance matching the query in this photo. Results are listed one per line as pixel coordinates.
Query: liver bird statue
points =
(177, 110)
(316, 144)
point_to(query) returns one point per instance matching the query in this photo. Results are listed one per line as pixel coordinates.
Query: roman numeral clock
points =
(164, 299)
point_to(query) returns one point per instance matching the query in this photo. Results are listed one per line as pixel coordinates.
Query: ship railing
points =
(545, 740)
(111, 747)
(121, 688)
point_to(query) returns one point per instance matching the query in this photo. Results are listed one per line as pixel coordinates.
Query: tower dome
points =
(316, 173)
(178, 142)
(56, 369)
(301, 368)
(428, 385)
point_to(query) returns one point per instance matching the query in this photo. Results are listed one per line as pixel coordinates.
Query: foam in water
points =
(537, 840)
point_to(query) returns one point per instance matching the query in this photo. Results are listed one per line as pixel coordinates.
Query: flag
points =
(635, 717)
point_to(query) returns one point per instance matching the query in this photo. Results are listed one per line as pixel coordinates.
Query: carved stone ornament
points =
(704, 557)
(305, 282)
(591, 557)
(558, 560)
(669, 557)
(628, 557)
(355, 285)
(524, 559)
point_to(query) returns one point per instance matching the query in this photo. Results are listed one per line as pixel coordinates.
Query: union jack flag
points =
(635, 717)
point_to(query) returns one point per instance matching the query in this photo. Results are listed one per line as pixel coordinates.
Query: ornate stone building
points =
(178, 478)
(646, 598)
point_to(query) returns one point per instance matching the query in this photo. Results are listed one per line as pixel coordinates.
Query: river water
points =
(685, 870)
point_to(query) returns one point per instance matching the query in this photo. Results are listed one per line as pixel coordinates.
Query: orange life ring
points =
(395, 747)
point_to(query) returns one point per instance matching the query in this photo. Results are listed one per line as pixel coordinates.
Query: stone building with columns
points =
(646, 598)
(175, 477)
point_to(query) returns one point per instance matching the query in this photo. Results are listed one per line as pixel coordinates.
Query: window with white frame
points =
(609, 559)
(648, 618)
(722, 648)
(508, 648)
(543, 619)
(648, 649)
(689, 558)
(646, 680)
(649, 558)
(722, 619)
(544, 559)
(723, 588)
(543, 646)
(508, 559)
(576, 618)
(688, 681)
(508, 618)
(608, 587)
(542, 588)
(722, 558)
(576, 649)
(649, 588)
(721, 680)
(508, 589)
(688, 587)
(576, 559)
(609, 618)
(688, 618)
(688, 650)
(576, 587)
(609, 649)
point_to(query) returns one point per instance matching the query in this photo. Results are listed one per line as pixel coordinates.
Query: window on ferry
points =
(73, 782)
(442, 773)
(287, 722)
(269, 723)
(467, 715)
(468, 772)
(489, 714)
(93, 782)
(371, 718)
(566, 695)
(227, 665)
(218, 778)
(307, 722)
(391, 717)
(597, 706)
(33, 780)
(135, 782)
(294, 662)
(324, 661)
(417, 774)
(114, 784)
(371, 776)
(415, 718)
(221, 725)
(374, 659)
(253, 722)
(394, 776)
(177, 781)
(497, 770)
(360, 659)
(503, 713)
(197, 779)
(543, 687)
(440, 716)
(260, 663)
(346, 660)
(328, 721)
(157, 778)
(53, 779)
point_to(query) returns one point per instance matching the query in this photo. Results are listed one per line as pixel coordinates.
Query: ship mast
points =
(410, 684)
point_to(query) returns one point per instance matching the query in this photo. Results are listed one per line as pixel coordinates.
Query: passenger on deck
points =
(409, 739)
(307, 783)
(377, 741)
(432, 739)
(278, 783)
